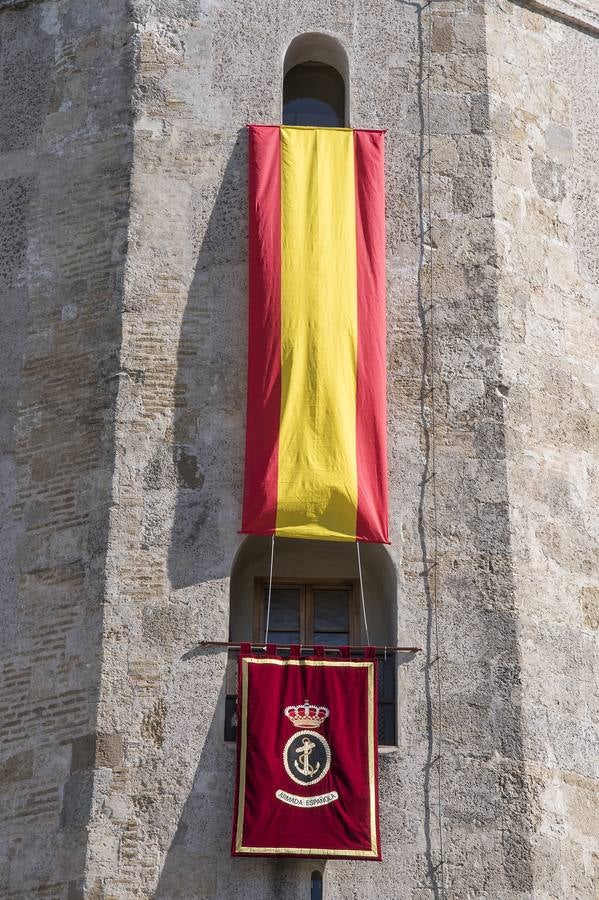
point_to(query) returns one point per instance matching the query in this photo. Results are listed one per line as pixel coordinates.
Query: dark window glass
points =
(283, 637)
(331, 610)
(386, 698)
(284, 608)
(231, 717)
(331, 617)
(316, 886)
(284, 622)
(332, 638)
(314, 94)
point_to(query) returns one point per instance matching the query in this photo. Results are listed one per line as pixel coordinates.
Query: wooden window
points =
(312, 612)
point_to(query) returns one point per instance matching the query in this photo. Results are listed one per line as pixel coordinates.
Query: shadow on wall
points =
(207, 458)
(15, 199)
(208, 428)
(198, 863)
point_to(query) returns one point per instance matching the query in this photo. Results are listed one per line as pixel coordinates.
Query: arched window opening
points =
(316, 886)
(314, 94)
(316, 82)
(315, 600)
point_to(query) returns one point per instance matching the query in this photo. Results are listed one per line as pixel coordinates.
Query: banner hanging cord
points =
(435, 567)
(272, 557)
(362, 594)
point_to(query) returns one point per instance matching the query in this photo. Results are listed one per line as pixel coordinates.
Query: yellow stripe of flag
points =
(317, 474)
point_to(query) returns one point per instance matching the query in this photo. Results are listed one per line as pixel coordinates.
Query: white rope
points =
(362, 594)
(272, 556)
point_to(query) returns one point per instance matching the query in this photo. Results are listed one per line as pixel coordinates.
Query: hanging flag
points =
(316, 454)
(307, 781)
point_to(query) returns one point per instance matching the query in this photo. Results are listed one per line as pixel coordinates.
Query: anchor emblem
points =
(305, 751)
(306, 757)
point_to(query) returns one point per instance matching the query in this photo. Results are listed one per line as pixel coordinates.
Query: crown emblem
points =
(307, 715)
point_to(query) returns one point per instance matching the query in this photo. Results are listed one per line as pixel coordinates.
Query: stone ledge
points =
(570, 11)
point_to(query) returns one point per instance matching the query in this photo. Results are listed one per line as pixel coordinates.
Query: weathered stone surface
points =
(551, 450)
(123, 255)
(65, 149)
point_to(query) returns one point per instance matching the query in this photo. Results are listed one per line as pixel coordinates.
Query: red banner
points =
(307, 778)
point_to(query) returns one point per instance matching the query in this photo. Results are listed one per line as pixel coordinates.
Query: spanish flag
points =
(316, 455)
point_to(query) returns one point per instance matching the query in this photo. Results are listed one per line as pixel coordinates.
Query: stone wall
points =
(161, 826)
(64, 178)
(545, 127)
(124, 256)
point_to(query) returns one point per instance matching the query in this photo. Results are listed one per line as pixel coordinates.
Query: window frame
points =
(307, 586)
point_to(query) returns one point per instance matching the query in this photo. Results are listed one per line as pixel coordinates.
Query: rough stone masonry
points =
(123, 254)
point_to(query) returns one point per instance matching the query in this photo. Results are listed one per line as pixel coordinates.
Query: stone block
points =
(470, 33)
(15, 199)
(96, 750)
(548, 178)
(472, 196)
(26, 81)
(450, 114)
(589, 603)
(559, 142)
(18, 767)
(153, 723)
(443, 34)
(479, 114)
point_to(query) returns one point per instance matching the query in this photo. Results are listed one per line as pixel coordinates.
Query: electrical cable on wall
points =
(435, 562)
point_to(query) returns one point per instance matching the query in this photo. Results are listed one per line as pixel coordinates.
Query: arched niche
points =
(315, 48)
(298, 559)
(327, 566)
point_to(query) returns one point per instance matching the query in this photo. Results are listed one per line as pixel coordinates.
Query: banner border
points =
(240, 849)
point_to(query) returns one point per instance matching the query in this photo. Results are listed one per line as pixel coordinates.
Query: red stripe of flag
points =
(371, 407)
(264, 360)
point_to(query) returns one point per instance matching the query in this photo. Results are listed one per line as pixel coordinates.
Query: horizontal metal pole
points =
(261, 646)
